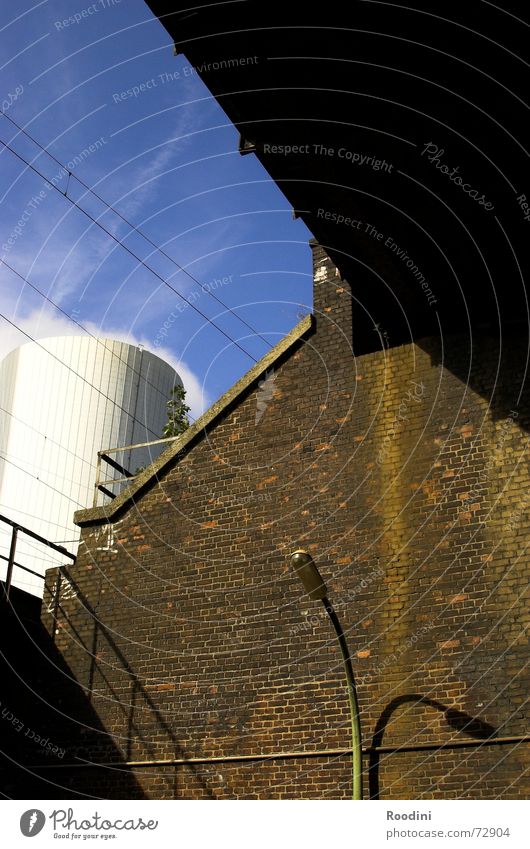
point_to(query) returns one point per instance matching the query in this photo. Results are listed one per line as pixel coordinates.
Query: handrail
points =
(17, 528)
(102, 485)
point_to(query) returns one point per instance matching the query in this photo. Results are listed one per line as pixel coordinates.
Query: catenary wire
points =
(80, 376)
(48, 438)
(134, 227)
(82, 327)
(135, 256)
(25, 471)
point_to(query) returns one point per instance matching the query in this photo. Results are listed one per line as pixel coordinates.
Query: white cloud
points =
(37, 324)
(196, 396)
(40, 324)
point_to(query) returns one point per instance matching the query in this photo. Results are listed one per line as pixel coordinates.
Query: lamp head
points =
(304, 566)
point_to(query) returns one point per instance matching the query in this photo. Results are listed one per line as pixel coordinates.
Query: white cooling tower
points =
(62, 400)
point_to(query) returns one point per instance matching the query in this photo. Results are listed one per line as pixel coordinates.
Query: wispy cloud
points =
(137, 179)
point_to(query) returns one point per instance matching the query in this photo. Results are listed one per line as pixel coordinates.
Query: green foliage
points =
(177, 413)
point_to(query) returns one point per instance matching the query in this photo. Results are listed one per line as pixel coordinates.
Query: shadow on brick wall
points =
(138, 693)
(456, 719)
(494, 368)
(45, 717)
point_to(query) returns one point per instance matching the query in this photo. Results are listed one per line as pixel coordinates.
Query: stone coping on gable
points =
(108, 512)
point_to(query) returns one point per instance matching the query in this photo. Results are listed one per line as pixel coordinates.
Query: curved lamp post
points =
(305, 568)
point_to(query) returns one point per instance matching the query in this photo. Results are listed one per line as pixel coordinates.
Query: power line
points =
(56, 525)
(48, 485)
(25, 471)
(78, 323)
(135, 256)
(84, 379)
(36, 552)
(58, 476)
(49, 438)
(134, 227)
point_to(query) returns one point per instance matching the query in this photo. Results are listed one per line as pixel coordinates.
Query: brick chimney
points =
(332, 301)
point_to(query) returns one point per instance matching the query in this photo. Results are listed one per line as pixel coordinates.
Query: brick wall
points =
(45, 717)
(403, 472)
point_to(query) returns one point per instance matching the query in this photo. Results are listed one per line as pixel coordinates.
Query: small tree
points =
(177, 413)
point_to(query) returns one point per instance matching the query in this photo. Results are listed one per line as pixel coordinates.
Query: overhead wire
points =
(8, 507)
(134, 227)
(119, 242)
(35, 477)
(86, 330)
(48, 438)
(36, 467)
(84, 379)
(131, 252)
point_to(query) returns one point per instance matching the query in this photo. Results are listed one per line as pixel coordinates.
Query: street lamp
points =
(304, 566)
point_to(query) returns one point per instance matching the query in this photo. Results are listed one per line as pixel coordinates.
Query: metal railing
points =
(17, 528)
(127, 476)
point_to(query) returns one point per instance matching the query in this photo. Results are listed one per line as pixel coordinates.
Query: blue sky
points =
(166, 157)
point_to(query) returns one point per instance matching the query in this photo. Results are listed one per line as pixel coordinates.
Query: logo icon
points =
(32, 822)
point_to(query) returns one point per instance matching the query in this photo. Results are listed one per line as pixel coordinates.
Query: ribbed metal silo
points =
(62, 400)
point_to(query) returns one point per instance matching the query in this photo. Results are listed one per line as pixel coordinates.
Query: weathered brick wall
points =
(45, 718)
(403, 472)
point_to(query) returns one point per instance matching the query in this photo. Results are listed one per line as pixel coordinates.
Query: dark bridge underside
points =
(422, 252)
